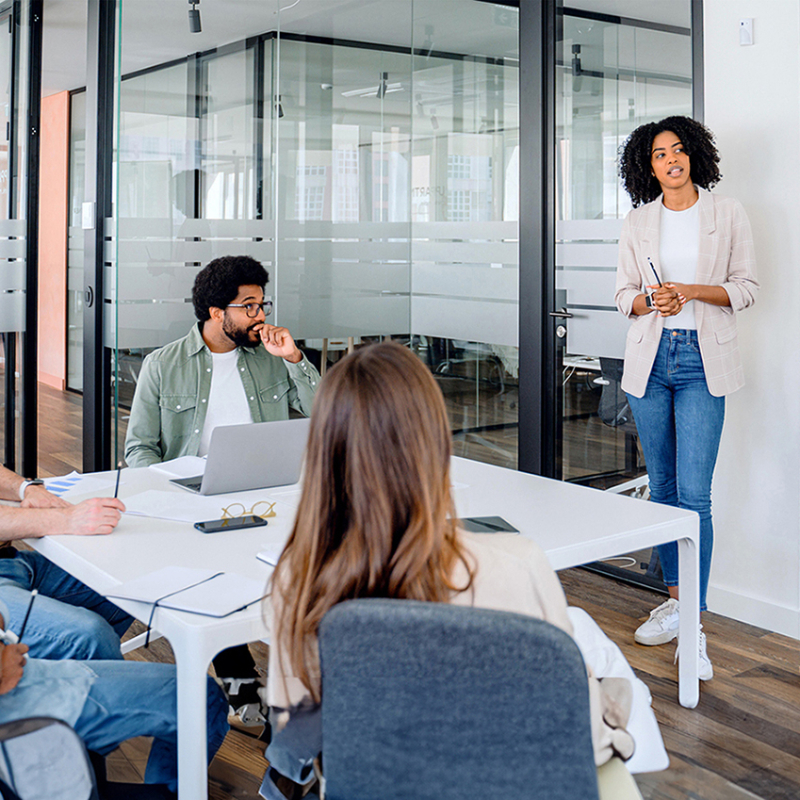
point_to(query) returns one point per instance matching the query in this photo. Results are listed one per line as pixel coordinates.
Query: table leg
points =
(192, 732)
(689, 630)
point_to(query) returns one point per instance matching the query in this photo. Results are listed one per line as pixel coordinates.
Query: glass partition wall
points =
(370, 164)
(368, 155)
(612, 75)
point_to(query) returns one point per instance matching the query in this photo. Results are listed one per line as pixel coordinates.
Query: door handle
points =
(561, 314)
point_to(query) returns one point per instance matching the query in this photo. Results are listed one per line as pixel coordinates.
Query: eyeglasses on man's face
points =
(252, 309)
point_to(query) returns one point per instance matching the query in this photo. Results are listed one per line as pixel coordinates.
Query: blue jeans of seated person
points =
(140, 699)
(680, 424)
(68, 619)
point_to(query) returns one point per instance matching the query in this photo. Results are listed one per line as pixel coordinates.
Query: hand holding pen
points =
(34, 593)
(666, 301)
(12, 655)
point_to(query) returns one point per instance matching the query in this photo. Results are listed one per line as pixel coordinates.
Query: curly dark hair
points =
(217, 284)
(634, 157)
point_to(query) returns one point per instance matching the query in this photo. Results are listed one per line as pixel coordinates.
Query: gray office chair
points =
(429, 700)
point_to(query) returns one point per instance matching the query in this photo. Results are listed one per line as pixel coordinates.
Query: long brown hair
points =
(376, 518)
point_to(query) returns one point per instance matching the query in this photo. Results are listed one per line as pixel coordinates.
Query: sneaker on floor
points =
(662, 627)
(245, 704)
(705, 670)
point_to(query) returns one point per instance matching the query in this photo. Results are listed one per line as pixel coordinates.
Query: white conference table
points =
(573, 525)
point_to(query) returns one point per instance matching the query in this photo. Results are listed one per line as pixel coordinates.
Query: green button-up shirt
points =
(171, 400)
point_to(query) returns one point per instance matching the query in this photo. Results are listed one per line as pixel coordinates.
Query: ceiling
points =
(157, 31)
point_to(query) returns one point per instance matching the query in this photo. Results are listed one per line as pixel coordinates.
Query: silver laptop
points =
(255, 456)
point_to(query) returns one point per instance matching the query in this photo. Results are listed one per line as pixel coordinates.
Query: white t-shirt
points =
(678, 253)
(227, 401)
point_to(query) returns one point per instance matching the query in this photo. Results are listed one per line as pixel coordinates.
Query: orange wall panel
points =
(53, 210)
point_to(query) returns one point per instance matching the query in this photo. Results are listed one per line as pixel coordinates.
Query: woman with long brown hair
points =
(376, 519)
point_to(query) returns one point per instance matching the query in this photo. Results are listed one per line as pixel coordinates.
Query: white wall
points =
(752, 103)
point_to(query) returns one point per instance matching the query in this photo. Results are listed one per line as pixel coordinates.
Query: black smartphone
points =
(486, 525)
(230, 524)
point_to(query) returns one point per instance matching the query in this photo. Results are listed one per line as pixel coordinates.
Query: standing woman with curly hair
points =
(686, 266)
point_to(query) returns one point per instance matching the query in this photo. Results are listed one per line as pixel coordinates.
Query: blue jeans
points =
(68, 619)
(140, 699)
(680, 424)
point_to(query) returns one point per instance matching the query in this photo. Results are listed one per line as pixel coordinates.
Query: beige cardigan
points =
(511, 574)
(726, 258)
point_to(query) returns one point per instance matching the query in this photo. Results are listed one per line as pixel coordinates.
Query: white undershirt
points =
(227, 401)
(678, 253)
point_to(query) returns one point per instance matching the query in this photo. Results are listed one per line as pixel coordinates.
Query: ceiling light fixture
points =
(194, 17)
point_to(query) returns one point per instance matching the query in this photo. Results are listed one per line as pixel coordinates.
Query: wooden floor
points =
(742, 741)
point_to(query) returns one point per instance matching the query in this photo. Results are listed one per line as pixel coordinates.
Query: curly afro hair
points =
(217, 284)
(634, 158)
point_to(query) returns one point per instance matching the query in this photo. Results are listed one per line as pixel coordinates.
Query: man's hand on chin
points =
(279, 342)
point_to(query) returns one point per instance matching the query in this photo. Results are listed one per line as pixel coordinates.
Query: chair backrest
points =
(429, 700)
(44, 759)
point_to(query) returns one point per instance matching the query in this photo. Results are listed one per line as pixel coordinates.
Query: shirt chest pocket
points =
(275, 394)
(177, 414)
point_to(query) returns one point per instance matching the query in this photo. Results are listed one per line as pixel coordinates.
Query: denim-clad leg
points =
(680, 425)
(140, 699)
(68, 619)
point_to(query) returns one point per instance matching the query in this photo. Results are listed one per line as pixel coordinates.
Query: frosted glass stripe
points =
(167, 229)
(468, 320)
(75, 279)
(12, 312)
(13, 227)
(467, 252)
(319, 279)
(467, 231)
(13, 248)
(292, 229)
(596, 333)
(465, 280)
(587, 255)
(146, 325)
(587, 288)
(572, 229)
(356, 251)
(341, 314)
(152, 284)
(12, 276)
(179, 252)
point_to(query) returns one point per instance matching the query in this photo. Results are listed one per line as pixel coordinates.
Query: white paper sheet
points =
(270, 555)
(183, 467)
(180, 506)
(198, 591)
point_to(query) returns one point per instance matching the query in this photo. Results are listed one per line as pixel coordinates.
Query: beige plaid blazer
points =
(726, 258)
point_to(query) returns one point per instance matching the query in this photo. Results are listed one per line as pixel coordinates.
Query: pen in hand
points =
(652, 267)
(116, 488)
(27, 614)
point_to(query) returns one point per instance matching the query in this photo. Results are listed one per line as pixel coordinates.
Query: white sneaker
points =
(705, 670)
(662, 627)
